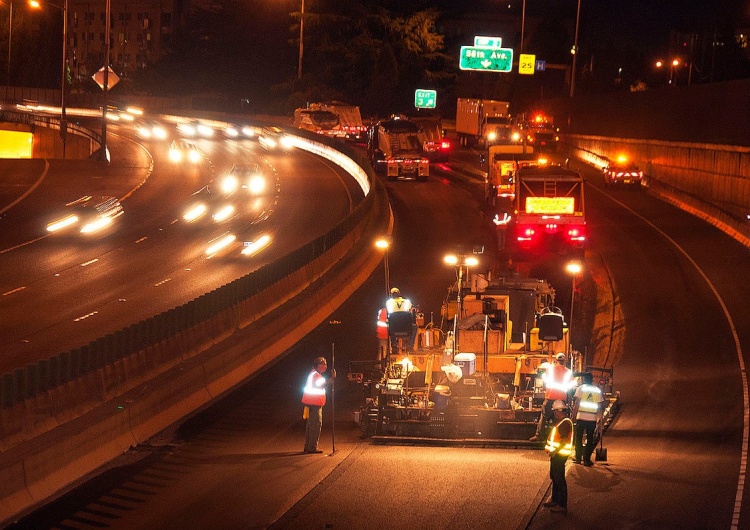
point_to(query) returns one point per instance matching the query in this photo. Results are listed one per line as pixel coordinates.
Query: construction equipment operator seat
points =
(400, 324)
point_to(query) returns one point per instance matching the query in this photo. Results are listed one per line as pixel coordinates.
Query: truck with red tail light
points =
(549, 214)
(396, 149)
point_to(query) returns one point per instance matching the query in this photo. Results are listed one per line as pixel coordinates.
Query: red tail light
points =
(577, 234)
(445, 145)
(526, 233)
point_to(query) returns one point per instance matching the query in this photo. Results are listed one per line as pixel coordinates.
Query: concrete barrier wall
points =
(711, 181)
(52, 438)
(80, 143)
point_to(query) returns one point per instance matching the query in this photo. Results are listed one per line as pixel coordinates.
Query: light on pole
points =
(574, 51)
(301, 41)
(383, 244)
(573, 268)
(461, 262)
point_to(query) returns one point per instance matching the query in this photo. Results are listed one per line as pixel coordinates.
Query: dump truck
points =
(396, 149)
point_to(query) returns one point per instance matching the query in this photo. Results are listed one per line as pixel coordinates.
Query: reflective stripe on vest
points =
(314, 392)
(554, 440)
(590, 398)
(382, 329)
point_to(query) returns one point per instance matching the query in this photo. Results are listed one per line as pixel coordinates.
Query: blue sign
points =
(540, 65)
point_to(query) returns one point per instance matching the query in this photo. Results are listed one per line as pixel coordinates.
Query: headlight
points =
(194, 213)
(257, 184)
(229, 184)
(205, 130)
(96, 225)
(194, 156)
(253, 247)
(62, 223)
(223, 213)
(160, 133)
(175, 155)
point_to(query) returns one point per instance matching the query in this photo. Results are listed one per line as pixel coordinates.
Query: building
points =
(141, 33)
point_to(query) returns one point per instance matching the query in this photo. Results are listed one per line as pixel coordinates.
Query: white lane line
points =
(84, 317)
(740, 360)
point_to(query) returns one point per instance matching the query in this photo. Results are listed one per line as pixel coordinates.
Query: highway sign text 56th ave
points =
(486, 59)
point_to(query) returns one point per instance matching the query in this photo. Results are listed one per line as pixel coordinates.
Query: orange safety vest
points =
(555, 441)
(382, 329)
(315, 390)
(557, 381)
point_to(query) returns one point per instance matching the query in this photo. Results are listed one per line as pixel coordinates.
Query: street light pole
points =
(523, 25)
(383, 244)
(575, 52)
(106, 80)
(574, 268)
(64, 75)
(10, 39)
(301, 41)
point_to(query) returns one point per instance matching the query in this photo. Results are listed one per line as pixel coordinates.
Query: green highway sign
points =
(488, 42)
(486, 59)
(425, 99)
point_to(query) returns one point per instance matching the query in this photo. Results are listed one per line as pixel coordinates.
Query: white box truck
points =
(484, 122)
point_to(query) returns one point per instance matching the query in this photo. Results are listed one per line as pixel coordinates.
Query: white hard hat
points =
(560, 355)
(559, 405)
(395, 290)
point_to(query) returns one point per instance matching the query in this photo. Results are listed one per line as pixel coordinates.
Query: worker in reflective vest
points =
(588, 403)
(558, 381)
(400, 320)
(314, 398)
(382, 333)
(559, 446)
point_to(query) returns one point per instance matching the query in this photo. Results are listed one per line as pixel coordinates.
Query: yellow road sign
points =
(526, 63)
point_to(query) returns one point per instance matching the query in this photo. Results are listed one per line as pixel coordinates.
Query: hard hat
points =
(559, 405)
(395, 291)
(560, 355)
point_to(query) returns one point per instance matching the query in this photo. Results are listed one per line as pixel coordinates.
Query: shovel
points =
(601, 451)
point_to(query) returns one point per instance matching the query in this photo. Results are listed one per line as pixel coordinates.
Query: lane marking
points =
(14, 290)
(86, 316)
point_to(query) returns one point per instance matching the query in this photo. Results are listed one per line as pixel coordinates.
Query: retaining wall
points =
(711, 181)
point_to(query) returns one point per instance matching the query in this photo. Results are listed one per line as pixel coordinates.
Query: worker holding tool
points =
(559, 446)
(558, 381)
(314, 398)
(587, 412)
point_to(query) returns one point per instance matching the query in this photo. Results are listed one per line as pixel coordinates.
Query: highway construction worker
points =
(400, 320)
(382, 333)
(558, 381)
(559, 446)
(314, 398)
(588, 402)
